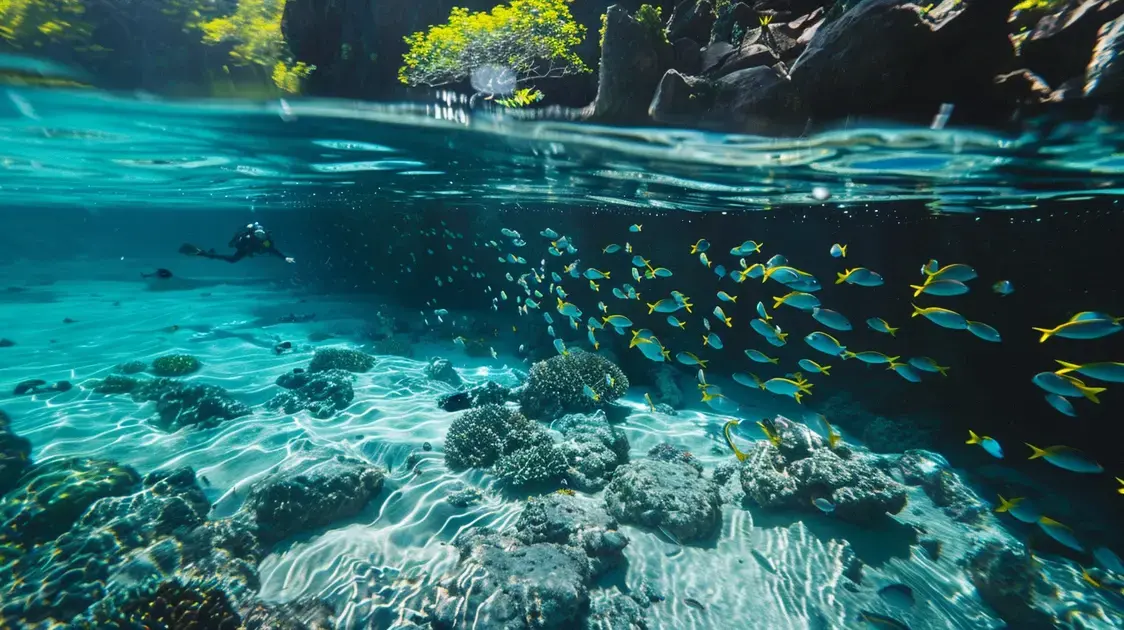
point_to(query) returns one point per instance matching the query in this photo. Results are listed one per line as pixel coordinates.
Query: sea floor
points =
(765, 570)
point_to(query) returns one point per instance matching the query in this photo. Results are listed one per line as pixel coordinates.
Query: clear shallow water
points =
(106, 151)
(97, 156)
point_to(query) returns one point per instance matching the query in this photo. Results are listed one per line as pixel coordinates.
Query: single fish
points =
(730, 424)
(1067, 458)
(787, 387)
(726, 297)
(905, 371)
(560, 347)
(593, 285)
(831, 319)
(700, 246)
(550, 331)
(838, 251)
(869, 356)
(747, 248)
(1108, 371)
(749, 380)
(666, 305)
(720, 271)
(1020, 508)
(675, 322)
(983, 331)
(942, 288)
(927, 364)
(721, 315)
(567, 309)
(813, 367)
(823, 505)
(594, 274)
(1065, 385)
(1061, 533)
(159, 273)
(1108, 560)
(1082, 328)
(762, 313)
(651, 405)
(1061, 404)
(941, 317)
(825, 343)
(593, 339)
(860, 276)
(760, 357)
(687, 358)
(818, 423)
(611, 249)
(636, 227)
(549, 233)
(589, 393)
(956, 271)
(1003, 288)
(796, 299)
(988, 444)
(878, 324)
(776, 261)
(704, 260)
(713, 341)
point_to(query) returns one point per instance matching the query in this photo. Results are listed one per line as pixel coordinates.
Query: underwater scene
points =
(481, 358)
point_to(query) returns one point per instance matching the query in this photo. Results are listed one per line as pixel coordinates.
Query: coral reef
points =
(670, 496)
(180, 404)
(336, 358)
(305, 495)
(555, 386)
(442, 370)
(942, 485)
(541, 585)
(519, 451)
(323, 393)
(539, 462)
(175, 365)
(593, 449)
(183, 604)
(490, 393)
(116, 384)
(463, 496)
(803, 468)
(578, 522)
(667, 452)
(15, 455)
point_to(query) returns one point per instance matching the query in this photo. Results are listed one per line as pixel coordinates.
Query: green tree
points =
(535, 39)
(32, 24)
(254, 31)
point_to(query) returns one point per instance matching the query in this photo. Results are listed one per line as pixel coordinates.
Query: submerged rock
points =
(942, 485)
(116, 384)
(610, 608)
(803, 468)
(540, 585)
(667, 452)
(463, 496)
(490, 393)
(593, 449)
(132, 367)
(395, 345)
(180, 404)
(565, 519)
(15, 455)
(634, 55)
(670, 496)
(442, 370)
(323, 393)
(175, 365)
(310, 496)
(1006, 579)
(341, 359)
(155, 601)
(479, 437)
(555, 386)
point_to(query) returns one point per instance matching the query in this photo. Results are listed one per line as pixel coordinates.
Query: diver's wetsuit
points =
(254, 240)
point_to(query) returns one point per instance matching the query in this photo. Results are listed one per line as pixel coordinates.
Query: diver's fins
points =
(190, 250)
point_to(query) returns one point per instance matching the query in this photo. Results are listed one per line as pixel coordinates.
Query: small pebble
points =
(426, 446)
(68, 321)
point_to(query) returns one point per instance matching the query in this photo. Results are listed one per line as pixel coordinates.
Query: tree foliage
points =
(254, 31)
(534, 38)
(32, 24)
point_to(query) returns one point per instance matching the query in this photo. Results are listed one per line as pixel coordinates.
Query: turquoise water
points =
(393, 213)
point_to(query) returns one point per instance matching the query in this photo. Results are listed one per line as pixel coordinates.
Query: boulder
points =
(1007, 580)
(442, 370)
(306, 496)
(634, 56)
(540, 585)
(688, 56)
(565, 519)
(746, 56)
(15, 455)
(736, 18)
(180, 404)
(670, 496)
(1058, 46)
(942, 485)
(341, 359)
(593, 449)
(715, 54)
(691, 19)
(803, 468)
(1104, 76)
(323, 394)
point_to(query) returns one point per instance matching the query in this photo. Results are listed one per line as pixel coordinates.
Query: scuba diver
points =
(250, 241)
